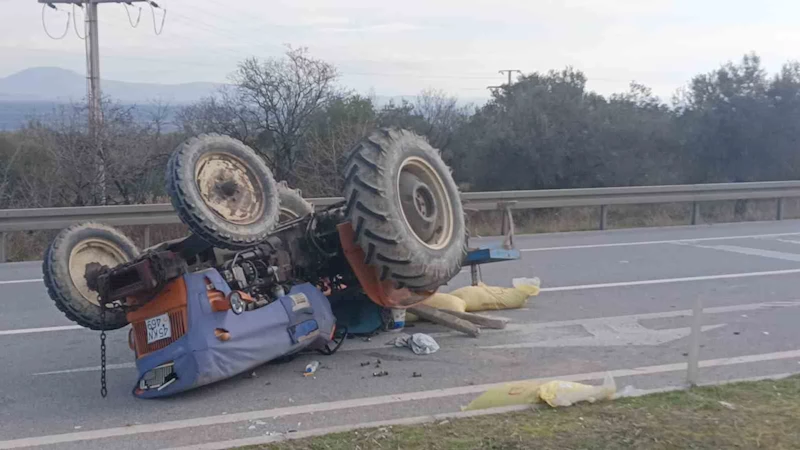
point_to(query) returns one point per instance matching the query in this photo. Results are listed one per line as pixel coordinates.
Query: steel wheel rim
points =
(286, 215)
(229, 189)
(430, 202)
(92, 251)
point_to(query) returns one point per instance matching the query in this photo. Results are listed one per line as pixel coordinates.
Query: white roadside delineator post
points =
(692, 368)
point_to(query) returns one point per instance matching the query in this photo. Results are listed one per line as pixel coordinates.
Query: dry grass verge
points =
(749, 415)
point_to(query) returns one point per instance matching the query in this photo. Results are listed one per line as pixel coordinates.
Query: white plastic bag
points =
(566, 393)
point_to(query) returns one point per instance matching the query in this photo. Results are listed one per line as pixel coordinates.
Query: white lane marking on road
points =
(32, 280)
(39, 330)
(545, 329)
(262, 440)
(407, 421)
(369, 401)
(753, 252)
(89, 369)
(723, 276)
(788, 241)
(622, 333)
(668, 241)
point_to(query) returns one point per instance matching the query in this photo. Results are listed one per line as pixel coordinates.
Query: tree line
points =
(544, 131)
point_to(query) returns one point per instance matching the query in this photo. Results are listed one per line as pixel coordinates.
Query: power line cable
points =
(153, 6)
(75, 22)
(44, 23)
(130, 20)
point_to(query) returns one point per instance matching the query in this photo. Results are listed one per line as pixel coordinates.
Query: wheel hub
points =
(229, 189)
(85, 260)
(425, 203)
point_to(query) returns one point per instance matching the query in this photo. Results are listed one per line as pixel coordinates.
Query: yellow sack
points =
(566, 393)
(411, 317)
(518, 393)
(483, 297)
(446, 302)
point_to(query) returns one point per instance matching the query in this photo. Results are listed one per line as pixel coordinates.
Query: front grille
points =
(158, 377)
(178, 323)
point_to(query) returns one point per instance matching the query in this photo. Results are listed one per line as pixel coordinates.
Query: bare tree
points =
(284, 94)
(328, 142)
(66, 171)
(226, 112)
(443, 116)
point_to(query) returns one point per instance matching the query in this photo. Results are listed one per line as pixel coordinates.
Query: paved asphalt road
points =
(613, 301)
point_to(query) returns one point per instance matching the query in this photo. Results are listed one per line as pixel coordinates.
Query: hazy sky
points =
(401, 47)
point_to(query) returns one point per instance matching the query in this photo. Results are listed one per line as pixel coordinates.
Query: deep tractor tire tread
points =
(374, 210)
(202, 221)
(57, 280)
(292, 200)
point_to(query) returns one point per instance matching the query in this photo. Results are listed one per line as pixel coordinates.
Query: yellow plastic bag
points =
(446, 302)
(483, 297)
(567, 393)
(518, 393)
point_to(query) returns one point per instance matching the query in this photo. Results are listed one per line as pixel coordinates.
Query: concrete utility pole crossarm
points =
(510, 71)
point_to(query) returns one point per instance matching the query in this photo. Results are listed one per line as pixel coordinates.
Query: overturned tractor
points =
(251, 281)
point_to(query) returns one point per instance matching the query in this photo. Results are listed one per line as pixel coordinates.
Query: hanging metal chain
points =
(103, 388)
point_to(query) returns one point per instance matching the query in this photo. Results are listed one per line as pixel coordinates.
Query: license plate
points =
(158, 328)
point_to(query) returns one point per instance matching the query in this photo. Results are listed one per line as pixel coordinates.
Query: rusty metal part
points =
(229, 189)
(137, 282)
(382, 293)
(171, 300)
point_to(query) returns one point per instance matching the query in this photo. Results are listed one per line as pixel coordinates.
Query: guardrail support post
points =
(603, 217)
(692, 367)
(147, 236)
(2, 247)
(779, 213)
(695, 212)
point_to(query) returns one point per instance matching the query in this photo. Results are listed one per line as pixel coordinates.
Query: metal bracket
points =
(507, 226)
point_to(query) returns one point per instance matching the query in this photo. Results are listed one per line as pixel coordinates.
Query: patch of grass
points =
(756, 415)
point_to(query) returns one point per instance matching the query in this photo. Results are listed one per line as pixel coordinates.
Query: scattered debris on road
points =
(311, 368)
(419, 343)
(416, 375)
(382, 373)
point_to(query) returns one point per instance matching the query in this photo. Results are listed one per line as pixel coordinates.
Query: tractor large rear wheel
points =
(405, 209)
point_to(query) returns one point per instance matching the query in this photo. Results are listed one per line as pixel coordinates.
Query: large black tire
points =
(64, 270)
(293, 205)
(405, 209)
(223, 191)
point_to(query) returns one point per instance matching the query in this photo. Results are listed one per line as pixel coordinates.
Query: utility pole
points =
(509, 71)
(93, 92)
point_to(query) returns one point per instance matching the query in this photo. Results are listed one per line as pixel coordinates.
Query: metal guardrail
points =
(157, 214)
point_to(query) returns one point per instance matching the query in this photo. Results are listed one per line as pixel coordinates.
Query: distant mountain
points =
(36, 92)
(52, 84)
